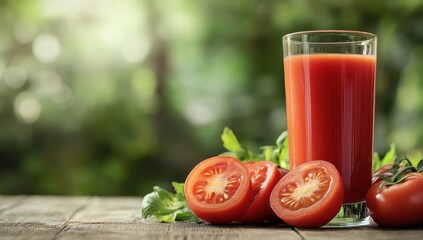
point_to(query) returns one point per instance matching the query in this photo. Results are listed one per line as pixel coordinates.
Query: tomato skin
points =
(399, 205)
(283, 171)
(319, 212)
(259, 209)
(228, 210)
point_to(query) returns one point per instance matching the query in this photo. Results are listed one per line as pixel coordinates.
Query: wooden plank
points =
(27, 231)
(38, 217)
(137, 230)
(110, 210)
(119, 218)
(49, 210)
(364, 233)
(113, 218)
(50, 217)
(161, 231)
(7, 202)
(180, 230)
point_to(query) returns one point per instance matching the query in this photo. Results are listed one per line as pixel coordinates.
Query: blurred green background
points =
(111, 97)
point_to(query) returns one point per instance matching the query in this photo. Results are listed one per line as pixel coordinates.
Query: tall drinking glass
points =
(330, 101)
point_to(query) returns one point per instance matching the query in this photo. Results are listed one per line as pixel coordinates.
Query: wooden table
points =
(56, 217)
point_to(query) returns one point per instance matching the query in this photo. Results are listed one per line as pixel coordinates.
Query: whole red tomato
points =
(398, 205)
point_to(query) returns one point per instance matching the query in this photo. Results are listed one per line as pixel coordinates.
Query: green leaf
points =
(283, 158)
(179, 188)
(281, 141)
(251, 156)
(186, 216)
(389, 156)
(268, 153)
(165, 206)
(278, 154)
(230, 142)
(376, 163)
(235, 149)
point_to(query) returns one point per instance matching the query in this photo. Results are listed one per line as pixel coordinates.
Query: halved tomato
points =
(264, 176)
(218, 189)
(310, 195)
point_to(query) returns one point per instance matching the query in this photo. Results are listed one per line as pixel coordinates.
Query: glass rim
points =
(368, 36)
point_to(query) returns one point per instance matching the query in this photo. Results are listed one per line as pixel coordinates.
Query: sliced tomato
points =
(310, 195)
(248, 164)
(264, 176)
(218, 189)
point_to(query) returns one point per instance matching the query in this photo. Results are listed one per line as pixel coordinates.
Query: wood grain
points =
(371, 233)
(37, 217)
(56, 217)
(110, 210)
(7, 202)
(233, 231)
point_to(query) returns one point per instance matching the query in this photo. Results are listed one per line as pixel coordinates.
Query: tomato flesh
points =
(398, 205)
(296, 196)
(218, 189)
(309, 196)
(264, 176)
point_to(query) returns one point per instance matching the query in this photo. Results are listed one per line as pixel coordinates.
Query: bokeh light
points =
(135, 50)
(15, 76)
(50, 81)
(27, 107)
(46, 48)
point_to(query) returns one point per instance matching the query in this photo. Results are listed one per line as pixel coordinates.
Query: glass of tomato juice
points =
(330, 101)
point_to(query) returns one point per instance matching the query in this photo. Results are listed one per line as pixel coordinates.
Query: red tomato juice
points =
(330, 114)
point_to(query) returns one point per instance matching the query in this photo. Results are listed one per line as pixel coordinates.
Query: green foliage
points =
(389, 157)
(236, 150)
(278, 154)
(283, 150)
(167, 207)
